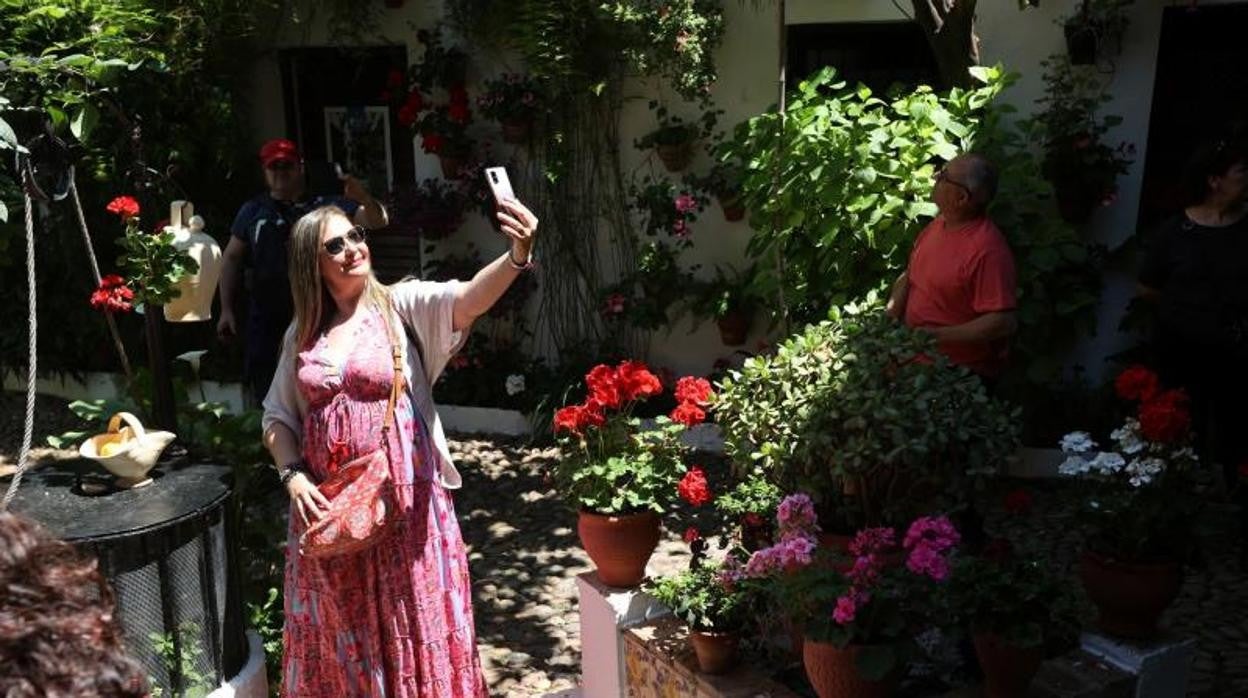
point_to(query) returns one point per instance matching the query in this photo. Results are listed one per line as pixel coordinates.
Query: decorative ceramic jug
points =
(194, 302)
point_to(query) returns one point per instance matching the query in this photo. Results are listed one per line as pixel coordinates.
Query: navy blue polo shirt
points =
(264, 224)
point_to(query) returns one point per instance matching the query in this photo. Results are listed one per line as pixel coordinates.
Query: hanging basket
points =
(128, 452)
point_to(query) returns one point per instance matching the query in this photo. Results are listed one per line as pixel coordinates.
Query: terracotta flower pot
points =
(734, 210)
(517, 131)
(833, 672)
(452, 165)
(675, 156)
(733, 328)
(1008, 670)
(717, 652)
(620, 546)
(1130, 596)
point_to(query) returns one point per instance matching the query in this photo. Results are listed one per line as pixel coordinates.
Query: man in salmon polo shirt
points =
(960, 282)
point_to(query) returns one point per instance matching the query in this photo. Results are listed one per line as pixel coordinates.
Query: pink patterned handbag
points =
(360, 493)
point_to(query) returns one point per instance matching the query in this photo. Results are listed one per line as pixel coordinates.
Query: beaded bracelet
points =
(528, 263)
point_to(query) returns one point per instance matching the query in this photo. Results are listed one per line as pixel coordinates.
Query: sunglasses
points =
(281, 166)
(356, 236)
(943, 176)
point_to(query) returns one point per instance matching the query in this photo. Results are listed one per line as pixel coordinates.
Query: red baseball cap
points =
(279, 149)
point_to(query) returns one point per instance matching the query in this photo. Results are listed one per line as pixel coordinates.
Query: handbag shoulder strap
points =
(398, 385)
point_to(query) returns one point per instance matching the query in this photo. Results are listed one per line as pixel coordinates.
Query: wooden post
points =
(164, 411)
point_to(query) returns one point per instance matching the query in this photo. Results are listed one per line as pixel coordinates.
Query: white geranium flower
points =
(1074, 465)
(1107, 463)
(1078, 442)
(1143, 470)
(1129, 439)
(515, 384)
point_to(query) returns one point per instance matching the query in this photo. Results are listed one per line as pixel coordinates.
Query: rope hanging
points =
(23, 459)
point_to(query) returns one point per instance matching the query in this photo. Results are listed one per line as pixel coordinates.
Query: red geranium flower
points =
(695, 390)
(124, 206)
(458, 112)
(637, 382)
(1165, 418)
(570, 419)
(693, 487)
(112, 295)
(394, 78)
(604, 386)
(1018, 502)
(431, 142)
(408, 115)
(688, 414)
(1137, 383)
(691, 534)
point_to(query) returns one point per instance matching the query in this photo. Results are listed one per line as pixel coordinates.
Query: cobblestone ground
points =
(525, 557)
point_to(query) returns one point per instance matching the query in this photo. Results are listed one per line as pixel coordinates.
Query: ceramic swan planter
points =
(128, 452)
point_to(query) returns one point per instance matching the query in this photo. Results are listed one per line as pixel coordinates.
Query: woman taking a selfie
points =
(377, 595)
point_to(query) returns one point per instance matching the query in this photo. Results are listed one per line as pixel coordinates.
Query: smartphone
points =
(496, 177)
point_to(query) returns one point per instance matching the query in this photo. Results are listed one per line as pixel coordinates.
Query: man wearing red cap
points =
(258, 240)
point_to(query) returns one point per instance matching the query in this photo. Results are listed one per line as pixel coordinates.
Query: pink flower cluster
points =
(929, 540)
(847, 606)
(797, 525)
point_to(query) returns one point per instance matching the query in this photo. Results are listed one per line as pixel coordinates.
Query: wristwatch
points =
(527, 265)
(286, 472)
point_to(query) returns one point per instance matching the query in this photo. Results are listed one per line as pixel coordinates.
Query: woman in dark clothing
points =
(1196, 271)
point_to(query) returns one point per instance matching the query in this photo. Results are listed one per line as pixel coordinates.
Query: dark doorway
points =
(877, 54)
(1200, 93)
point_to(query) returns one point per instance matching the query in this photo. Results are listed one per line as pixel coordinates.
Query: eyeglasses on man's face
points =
(281, 166)
(942, 175)
(356, 236)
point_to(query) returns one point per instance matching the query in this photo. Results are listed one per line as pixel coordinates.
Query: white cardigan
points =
(426, 308)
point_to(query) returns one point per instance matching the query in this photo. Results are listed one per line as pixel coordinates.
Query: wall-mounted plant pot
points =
(517, 131)
(675, 156)
(734, 328)
(452, 165)
(734, 209)
(1083, 39)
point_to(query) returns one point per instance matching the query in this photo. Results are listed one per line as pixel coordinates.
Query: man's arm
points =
(897, 298)
(985, 328)
(370, 214)
(231, 269)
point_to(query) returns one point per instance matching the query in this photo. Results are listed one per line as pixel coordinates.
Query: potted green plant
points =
(673, 140)
(443, 132)
(619, 474)
(724, 183)
(667, 210)
(708, 598)
(752, 503)
(857, 612)
(1083, 167)
(513, 101)
(866, 416)
(729, 298)
(1096, 24)
(1016, 609)
(1136, 505)
(645, 297)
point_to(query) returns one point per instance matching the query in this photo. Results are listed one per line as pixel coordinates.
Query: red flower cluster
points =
(124, 206)
(1165, 417)
(412, 106)
(458, 110)
(692, 394)
(692, 534)
(1137, 383)
(693, 487)
(113, 295)
(610, 387)
(431, 142)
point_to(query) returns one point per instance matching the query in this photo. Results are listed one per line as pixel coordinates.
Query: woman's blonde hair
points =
(313, 304)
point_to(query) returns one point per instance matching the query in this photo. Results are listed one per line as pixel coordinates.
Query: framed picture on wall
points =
(358, 139)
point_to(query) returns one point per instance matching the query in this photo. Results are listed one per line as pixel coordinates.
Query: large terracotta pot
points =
(1008, 669)
(1130, 596)
(675, 156)
(734, 328)
(620, 546)
(833, 672)
(717, 652)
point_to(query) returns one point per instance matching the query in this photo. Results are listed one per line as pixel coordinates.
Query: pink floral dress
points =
(394, 620)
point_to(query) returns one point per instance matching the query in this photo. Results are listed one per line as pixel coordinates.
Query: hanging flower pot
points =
(734, 209)
(1130, 596)
(833, 672)
(675, 156)
(517, 130)
(733, 328)
(1082, 40)
(619, 545)
(452, 165)
(435, 224)
(1008, 669)
(716, 651)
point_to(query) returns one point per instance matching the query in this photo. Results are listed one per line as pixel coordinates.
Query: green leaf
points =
(77, 60)
(876, 661)
(8, 139)
(84, 121)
